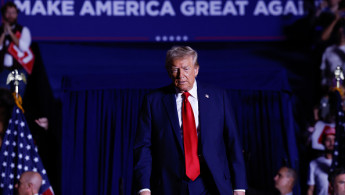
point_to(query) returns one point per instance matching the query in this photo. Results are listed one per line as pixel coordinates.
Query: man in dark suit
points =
(186, 140)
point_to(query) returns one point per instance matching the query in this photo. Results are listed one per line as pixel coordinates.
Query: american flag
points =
(19, 154)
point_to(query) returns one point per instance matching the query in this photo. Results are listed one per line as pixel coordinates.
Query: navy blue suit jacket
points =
(158, 149)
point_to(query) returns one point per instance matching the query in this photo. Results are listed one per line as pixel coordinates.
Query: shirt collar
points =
(193, 92)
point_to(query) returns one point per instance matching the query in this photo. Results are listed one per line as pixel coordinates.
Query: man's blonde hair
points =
(178, 52)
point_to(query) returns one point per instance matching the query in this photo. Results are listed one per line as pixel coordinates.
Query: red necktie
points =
(190, 140)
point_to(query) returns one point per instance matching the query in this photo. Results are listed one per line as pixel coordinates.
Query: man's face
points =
(282, 180)
(11, 15)
(183, 73)
(329, 142)
(339, 185)
(22, 187)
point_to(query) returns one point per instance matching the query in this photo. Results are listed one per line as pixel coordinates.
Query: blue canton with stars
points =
(19, 154)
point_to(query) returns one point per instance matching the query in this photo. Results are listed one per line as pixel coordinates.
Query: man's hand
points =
(145, 193)
(239, 193)
(43, 122)
(7, 28)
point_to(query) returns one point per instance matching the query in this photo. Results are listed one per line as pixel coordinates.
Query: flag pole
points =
(338, 154)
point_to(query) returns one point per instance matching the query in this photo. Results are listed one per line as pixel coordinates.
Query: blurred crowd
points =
(327, 22)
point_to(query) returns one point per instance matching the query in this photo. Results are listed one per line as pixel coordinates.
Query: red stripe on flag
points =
(49, 191)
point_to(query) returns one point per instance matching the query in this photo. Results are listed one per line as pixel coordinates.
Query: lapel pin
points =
(207, 96)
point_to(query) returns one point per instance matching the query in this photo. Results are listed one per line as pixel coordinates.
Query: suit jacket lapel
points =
(170, 106)
(204, 114)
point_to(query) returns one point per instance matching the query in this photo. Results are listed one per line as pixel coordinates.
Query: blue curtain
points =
(99, 127)
(267, 129)
(98, 133)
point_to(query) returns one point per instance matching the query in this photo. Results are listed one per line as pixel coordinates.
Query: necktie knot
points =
(186, 95)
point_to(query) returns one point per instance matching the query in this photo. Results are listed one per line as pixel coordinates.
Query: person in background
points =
(337, 181)
(332, 57)
(285, 180)
(15, 41)
(319, 168)
(327, 15)
(29, 183)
